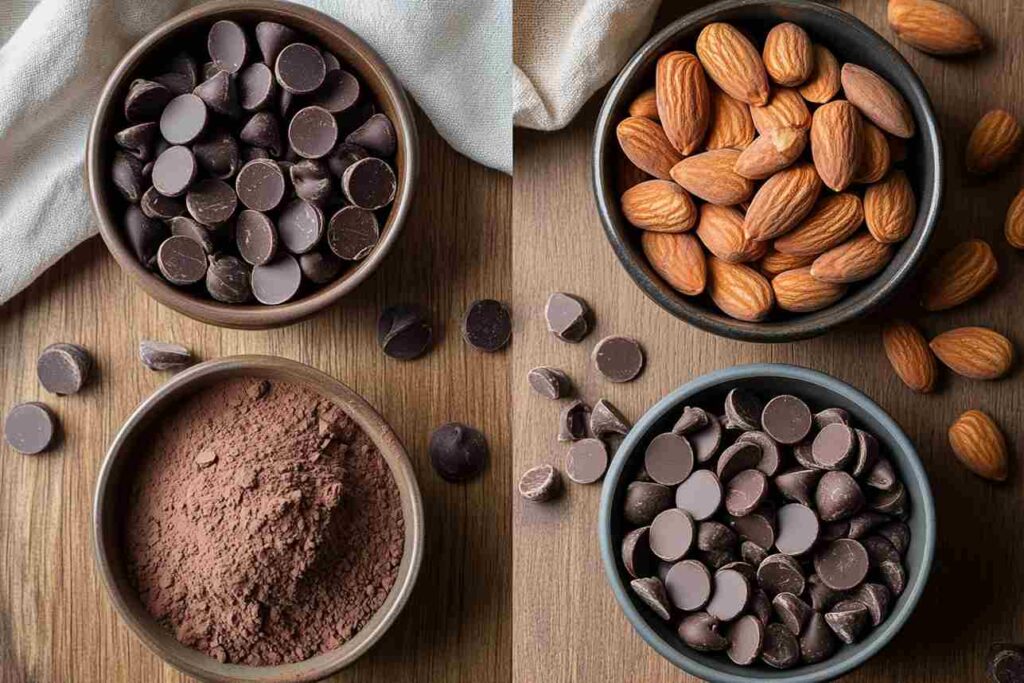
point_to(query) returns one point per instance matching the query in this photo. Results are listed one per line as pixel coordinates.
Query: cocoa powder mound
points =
(263, 525)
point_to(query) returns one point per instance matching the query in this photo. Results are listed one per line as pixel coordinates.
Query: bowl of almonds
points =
(768, 169)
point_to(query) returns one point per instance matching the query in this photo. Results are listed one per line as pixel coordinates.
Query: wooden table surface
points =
(56, 623)
(568, 626)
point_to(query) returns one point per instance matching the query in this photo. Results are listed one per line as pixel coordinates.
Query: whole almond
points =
(731, 125)
(659, 205)
(733, 63)
(834, 218)
(909, 355)
(678, 258)
(835, 143)
(995, 141)
(739, 290)
(684, 103)
(798, 291)
(774, 263)
(875, 154)
(788, 56)
(785, 109)
(856, 259)
(645, 105)
(934, 27)
(823, 83)
(645, 144)
(890, 208)
(711, 177)
(980, 446)
(878, 100)
(1014, 225)
(975, 352)
(959, 275)
(769, 154)
(720, 229)
(782, 202)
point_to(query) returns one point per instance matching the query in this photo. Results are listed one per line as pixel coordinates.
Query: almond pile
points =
(774, 172)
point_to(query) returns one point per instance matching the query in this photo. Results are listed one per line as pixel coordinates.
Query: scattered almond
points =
(834, 219)
(878, 100)
(875, 154)
(980, 445)
(909, 355)
(678, 258)
(995, 141)
(645, 144)
(659, 205)
(785, 109)
(1014, 226)
(783, 201)
(823, 83)
(645, 105)
(798, 291)
(852, 261)
(720, 229)
(890, 208)
(731, 125)
(769, 154)
(684, 103)
(739, 290)
(934, 27)
(711, 177)
(788, 55)
(974, 352)
(733, 63)
(835, 143)
(959, 275)
(775, 263)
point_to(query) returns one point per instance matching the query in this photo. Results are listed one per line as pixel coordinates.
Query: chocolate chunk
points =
(867, 453)
(833, 447)
(606, 420)
(183, 119)
(692, 420)
(219, 94)
(261, 186)
(186, 227)
(817, 642)
(145, 101)
(157, 355)
(550, 383)
(1006, 663)
(458, 452)
(313, 132)
(181, 260)
(126, 172)
(876, 598)
(742, 410)
(278, 281)
(487, 325)
(688, 585)
(174, 171)
(898, 534)
(643, 502)
(752, 553)
(257, 88)
(893, 502)
(742, 455)
(838, 496)
(138, 140)
(30, 428)
(758, 526)
(256, 237)
(587, 460)
(618, 359)
(701, 632)
(780, 573)
(339, 92)
(352, 233)
(369, 184)
(798, 529)
(894, 576)
(700, 494)
(211, 202)
(706, 441)
(787, 419)
(746, 638)
(218, 155)
(652, 593)
(848, 620)
(745, 492)
(822, 597)
(63, 368)
(145, 235)
(712, 535)
(403, 332)
(672, 534)
(831, 416)
(568, 317)
(343, 156)
(227, 46)
(730, 596)
(228, 280)
(272, 38)
(798, 485)
(541, 484)
(882, 476)
(311, 180)
(300, 68)
(668, 459)
(320, 266)
(156, 205)
(636, 552)
(771, 455)
(376, 135)
(300, 226)
(791, 611)
(842, 564)
(781, 649)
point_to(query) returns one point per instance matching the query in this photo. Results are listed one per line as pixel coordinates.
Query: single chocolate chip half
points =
(688, 584)
(798, 529)
(651, 592)
(219, 94)
(369, 183)
(587, 460)
(255, 237)
(568, 317)
(550, 383)
(261, 185)
(376, 134)
(157, 355)
(487, 325)
(181, 260)
(272, 38)
(644, 500)
(183, 119)
(63, 368)
(540, 484)
(572, 421)
(353, 233)
(781, 649)
(838, 496)
(706, 441)
(145, 100)
(636, 552)
(848, 620)
(278, 281)
(693, 419)
(339, 92)
(256, 87)
(156, 205)
(145, 235)
(833, 447)
(404, 332)
(458, 452)
(791, 611)
(227, 45)
(700, 494)
(780, 573)
(618, 359)
(746, 638)
(730, 596)
(672, 534)
(606, 420)
(743, 410)
(138, 140)
(300, 225)
(300, 68)
(312, 181)
(701, 632)
(668, 459)
(30, 428)
(745, 492)
(842, 564)
(262, 130)
(228, 279)
(313, 132)
(320, 266)
(211, 202)
(787, 419)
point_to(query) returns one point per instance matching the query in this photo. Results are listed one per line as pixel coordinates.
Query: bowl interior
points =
(112, 497)
(190, 28)
(850, 41)
(819, 391)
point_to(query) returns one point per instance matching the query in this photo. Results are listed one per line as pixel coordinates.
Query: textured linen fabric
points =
(453, 57)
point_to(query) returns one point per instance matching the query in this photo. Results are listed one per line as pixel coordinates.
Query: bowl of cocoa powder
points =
(257, 520)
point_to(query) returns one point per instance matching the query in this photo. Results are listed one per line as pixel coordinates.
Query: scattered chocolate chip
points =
(636, 552)
(798, 485)
(540, 484)
(894, 575)
(787, 419)
(376, 135)
(157, 355)
(300, 68)
(261, 185)
(487, 325)
(183, 119)
(30, 428)
(838, 496)
(227, 45)
(606, 420)
(181, 260)
(369, 183)
(706, 441)
(897, 533)
(618, 359)
(320, 266)
(174, 171)
(643, 502)
(300, 225)
(126, 173)
(798, 529)
(255, 237)
(313, 132)
(701, 632)
(587, 461)
(63, 368)
(403, 332)
(867, 453)
(700, 494)
(219, 94)
(745, 492)
(672, 534)
(145, 101)
(353, 233)
(742, 455)
(262, 130)
(339, 92)
(145, 235)
(892, 502)
(876, 598)
(568, 317)
(668, 459)
(758, 526)
(550, 383)
(156, 205)
(278, 281)
(822, 597)
(804, 457)
(458, 452)
(781, 648)
(771, 454)
(746, 638)
(572, 421)
(228, 279)
(218, 155)
(652, 593)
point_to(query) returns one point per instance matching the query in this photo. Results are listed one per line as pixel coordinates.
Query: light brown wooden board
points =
(56, 623)
(567, 625)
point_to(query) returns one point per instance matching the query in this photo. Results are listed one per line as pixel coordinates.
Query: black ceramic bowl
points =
(850, 41)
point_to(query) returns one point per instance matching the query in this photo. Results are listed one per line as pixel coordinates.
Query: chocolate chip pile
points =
(263, 179)
(768, 533)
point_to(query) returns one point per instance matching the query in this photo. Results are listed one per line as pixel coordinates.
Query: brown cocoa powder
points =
(263, 525)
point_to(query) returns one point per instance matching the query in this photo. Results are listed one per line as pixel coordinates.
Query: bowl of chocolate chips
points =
(767, 522)
(250, 163)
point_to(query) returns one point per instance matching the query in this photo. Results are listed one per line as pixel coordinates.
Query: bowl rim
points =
(368, 419)
(253, 316)
(908, 458)
(703, 317)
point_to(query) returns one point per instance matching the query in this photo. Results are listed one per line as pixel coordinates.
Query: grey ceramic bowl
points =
(112, 493)
(820, 391)
(851, 41)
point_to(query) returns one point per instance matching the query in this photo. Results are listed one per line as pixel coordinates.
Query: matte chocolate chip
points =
(742, 455)
(174, 171)
(250, 153)
(313, 132)
(300, 225)
(876, 598)
(278, 281)
(780, 573)
(331, 62)
(272, 38)
(145, 235)
(798, 529)
(817, 642)
(898, 534)
(643, 502)
(300, 68)
(781, 648)
(791, 611)
(712, 535)
(758, 526)
(209, 70)
(706, 441)
(219, 94)
(178, 84)
(882, 476)
(183, 119)
(228, 280)
(550, 383)
(186, 227)
(181, 260)
(1006, 663)
(312, 181)
(880, 550)
(831, 416)
(227, 45)
(787, 419)
(746, 569)
(692, 420)
(842, 564)
(156, 205)
(822, 597)
(343, 156)
(701, 632)
(833, 531)
(894, 575)
(262, 130)
(700, 494)
(376, 135)
(369, 183)
(587, 460)
(541, 484)
(320, 266)
(761, 607)
(261, 186)
(126, 173)
(352, 233)
(652, 593)
(892, 502)
(157, 355)
(803, 455)
(862, 523)
(572, 421)
(255, 237)
(211, 202)
(668, 459)
(688, 584)
(838, 496)
(672, 534)
(487, 325)
(730, 596)
(771, 454)
(618, 359)
(606, 420)
(63, 368)
(746, 638)
(568, 317)
(867, 453)
(403, 332)
(636, 552)
(745, 492)
(218, 155)
(145, 101)
(833, 447)
(798, 485)
(458, 452)
(752, 553)
(257, 89)
(742, 410)
(30, 428)
(339, 92)
(848, 620)
(183, 73)
(138, 140)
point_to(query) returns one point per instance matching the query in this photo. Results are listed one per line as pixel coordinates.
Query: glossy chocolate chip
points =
(892, 502)
(211, 202)
(894, 575)
(339, 92)
(567, 316)
(866, 454)
(882, 476)
(798, 529)
(227, 45)
(746, 638)
(700, 494)
(652, 593)
(369, 184)
(586, 461)
(257, 89)
(701, 631)
(158, 355)
(300, 226)
(787, 419)
(606, 420)
(864, 522)
(822, 597)
(668, 459)
(838, 496)
(30, 428)
(541, 484)
(643, 502)
(146, 100)
(186, 227)
(689, 585)
(183, 119)
(278, 281)
(752, 553)
(156, 205)
(174, 171)
(731, 593)
(404, 332)
(63, 368)
(353, 233)
(181, 260)
(551, 383)
(458, 452)
(376, 135)
(618, 359)
(897, 533)
(672, 534)
(300, 68)
(313, 132)
(145, 235)
(487, 325)
(128, 177)
(228, 280)
(261, 186)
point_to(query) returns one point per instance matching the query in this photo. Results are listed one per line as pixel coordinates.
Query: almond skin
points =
(775, 263)
(934, 27)
(731, 125)
(959, 275)
(739, 290)
(995, 141)
(834, 219)
(824, 82)
(711, 177)
(1014, 226)
(835, 143)
(852, 261)
(645, 105)
(785, 109)
(890, 208)
(678, 258)
(684, 103)
(974, 352)
(909, 355)
(979, 445)
(720, 229)
(875, 154)
(788, 56)
(878, 100)
(769, 154)
(733, 63)
(783, 201)
(798, 291)
(645, 144)
(659, 205)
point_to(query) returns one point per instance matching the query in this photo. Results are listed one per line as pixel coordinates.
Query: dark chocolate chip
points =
(692, 420)
(897, 533)
(876, 598)
(572, 421)
(834, 446)
(848, 620)
(746, 638)
(606, 420)
(181, 260)
(343, 156)
(880, 550)
(369, 183)
(668, 459)
(798, 485)
(618, 359)
(804, 457)
(817, 642)
(798, 529)
(862, 523)
(219, 94)
(458, 452)
(787, 419)
(63, 368)
(742, 410)
(250, 153)
(550, 383)
(339, 92)
(300, 68)
(822, 597)
(568, 317)
(831, 416)
(1006, 663)
(752, 553)
(272, 38)
(227, 46)
(716, 559)
(541, 484)
(781, 649)
(700, 494)
(156, 205)
(376, 135)
(758, 526)
(320, 266)
(313, 132)
(643, 502)
(183, 119)
(636, 552)
(178, 84)
(30, 428)
(706, 441)
(882, 476)
(791, 611)
(701, 632)
(761, 607)
(145, 101)
(867, 453)
(745, 492)
(157, 355)
(894, 575)
(331, 63)
(771, 454)
(651, 592)
(126, 172)
(228, 280)
(174, 171)
(300, 225)
(712, 535)
(255, 237)
(742, 455)
(731, 594)
(842, 564)
(218, 155)
(672, 534)
(211, 202)
(403, 332)
(838, 496)
(182, 225)
(780, 573)
(145, 235)
(487, 325)
(278, 281)
(892, 502)
(138, 140)
(261, 187)
(257, 89)
(262, 130)
(587, 461)
(353, 233)
(312, 181)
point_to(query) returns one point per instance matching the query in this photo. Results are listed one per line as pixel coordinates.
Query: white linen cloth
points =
(452, 56)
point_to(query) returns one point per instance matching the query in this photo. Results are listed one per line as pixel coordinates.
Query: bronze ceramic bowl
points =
(166, 40)
(112, 491)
